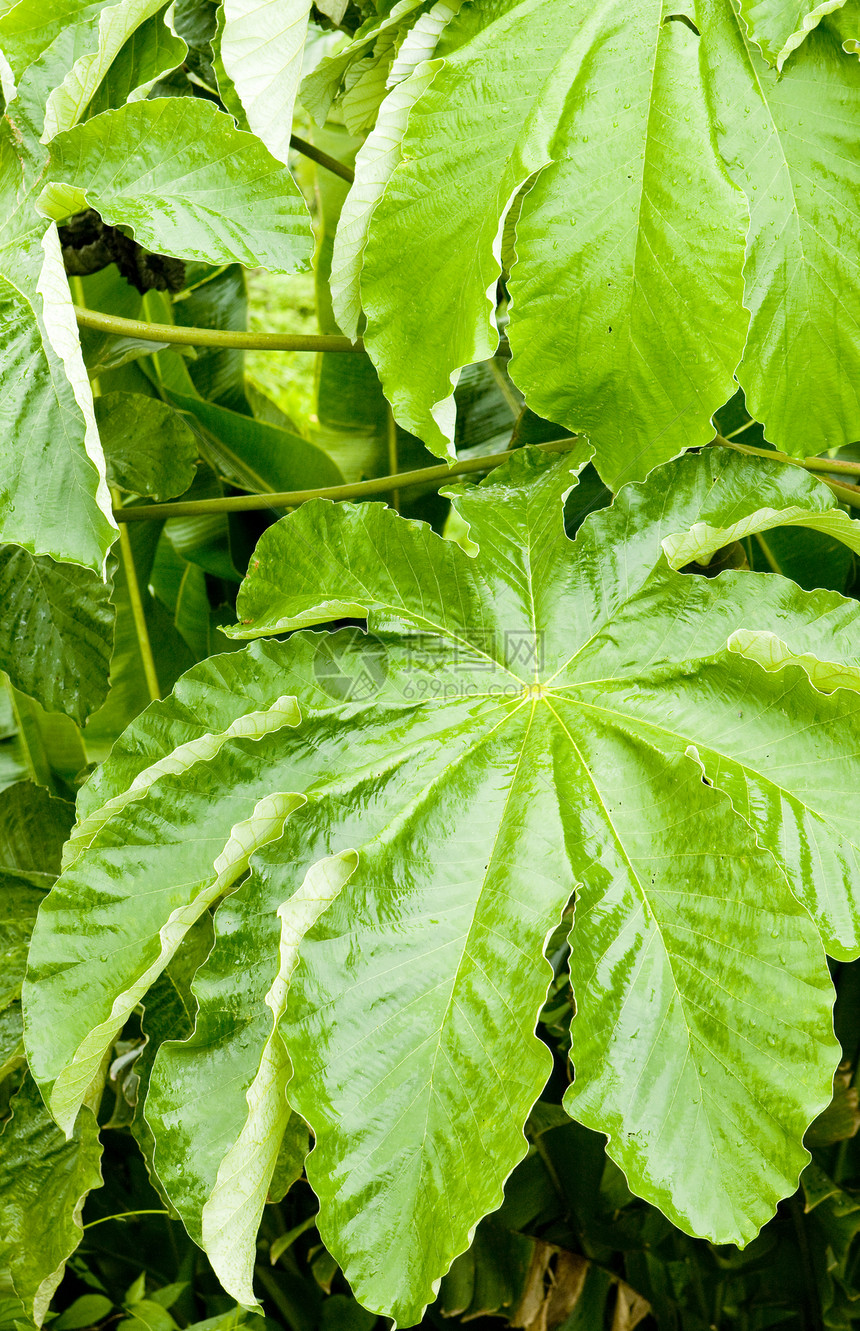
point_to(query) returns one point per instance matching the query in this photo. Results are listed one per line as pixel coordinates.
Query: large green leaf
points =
(33, 828)
(627, 319)
(149, 53)
(117, 24)
(546, 719)
(627, 136)
(217, 299)
(149, 448)
(353, 419)
(257, 455)
(321, 86)
(19, 902)
(57, 56)
(43, 1178)
(54, 500)
(377, 160)
(50, 744)
(231, 1144)
(788, 141)
(178, 173)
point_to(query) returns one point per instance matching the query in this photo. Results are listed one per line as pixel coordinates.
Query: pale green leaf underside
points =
(262, 44)
(319, 88)
(231, 1215)
(67, 103)
(149, 53)
(546, 718)
(178, 173)
(377, 159)
(779, 26)
(53, 495)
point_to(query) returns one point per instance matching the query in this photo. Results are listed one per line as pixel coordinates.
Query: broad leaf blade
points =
(257, 454)
(33, 828)
(377, 160)
(149, 448)
(231, 1215)
(54, 499)
(626, 319)
(320, 87)
(788, 143)
(67, 103)
(148, 54)
(19, 902)
(44, 1180)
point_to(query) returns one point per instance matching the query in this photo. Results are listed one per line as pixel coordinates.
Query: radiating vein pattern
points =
(388, 823)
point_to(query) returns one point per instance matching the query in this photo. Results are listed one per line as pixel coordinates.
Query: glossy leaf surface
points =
(787, 140)
(543, 720)
(56, 631)
(179, 174)
(54, 499)
(149, 448)
(43, 1177)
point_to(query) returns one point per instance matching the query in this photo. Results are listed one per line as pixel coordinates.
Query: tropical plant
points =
(431, 908)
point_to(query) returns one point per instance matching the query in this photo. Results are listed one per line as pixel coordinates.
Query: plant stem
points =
(273, 1289)
(317, 155)
(834, 465)
(123, 1215)
(138, 613)
(393, 461)
(292, 498)
(741, 429)
(848, 494)
(178, 335)
(768, 553)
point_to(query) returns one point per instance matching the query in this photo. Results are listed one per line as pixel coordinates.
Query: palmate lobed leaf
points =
(545, 719)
